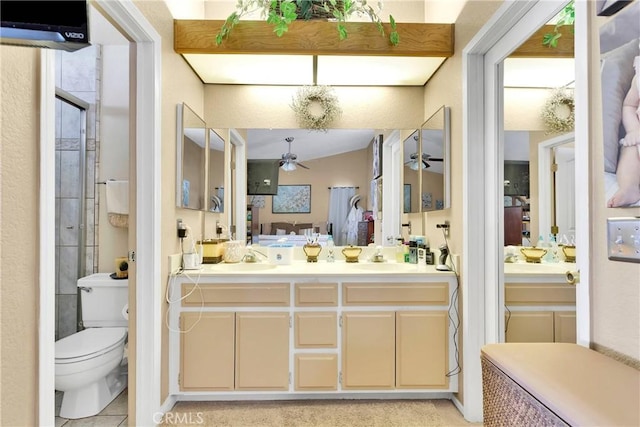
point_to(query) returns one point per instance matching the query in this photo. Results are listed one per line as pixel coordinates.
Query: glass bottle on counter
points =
(399, 250)
(330, 249)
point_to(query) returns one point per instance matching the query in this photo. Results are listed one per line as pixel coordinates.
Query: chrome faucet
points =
(251, 254)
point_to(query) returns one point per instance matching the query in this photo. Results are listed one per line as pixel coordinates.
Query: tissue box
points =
(281, 253)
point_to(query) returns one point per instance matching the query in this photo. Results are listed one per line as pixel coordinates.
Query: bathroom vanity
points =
(540, 303)
(260, 331)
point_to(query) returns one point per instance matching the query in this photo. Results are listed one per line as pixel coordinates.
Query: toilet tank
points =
(104, 300)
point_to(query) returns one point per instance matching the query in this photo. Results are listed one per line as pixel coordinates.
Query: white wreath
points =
(309, 97)
(560, 100)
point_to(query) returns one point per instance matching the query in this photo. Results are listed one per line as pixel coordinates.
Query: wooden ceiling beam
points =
(314, 38)
(533, 47)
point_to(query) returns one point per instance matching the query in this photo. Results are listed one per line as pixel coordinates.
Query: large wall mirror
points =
(319, 166)
(434, 164)
(191, 159)
(411, 177)
(216, 172)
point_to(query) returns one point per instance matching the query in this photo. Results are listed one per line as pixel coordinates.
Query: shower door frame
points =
(83, 106)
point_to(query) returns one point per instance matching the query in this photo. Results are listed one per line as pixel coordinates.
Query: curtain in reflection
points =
(338, 211)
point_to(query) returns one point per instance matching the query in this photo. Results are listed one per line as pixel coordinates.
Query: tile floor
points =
(114, 415)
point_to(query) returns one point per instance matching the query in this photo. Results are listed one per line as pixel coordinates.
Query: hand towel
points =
(118, 197)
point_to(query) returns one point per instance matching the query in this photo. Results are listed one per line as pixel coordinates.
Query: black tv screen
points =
(262, 177)
(48, 24)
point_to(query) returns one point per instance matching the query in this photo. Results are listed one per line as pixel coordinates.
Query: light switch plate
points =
(623, 239)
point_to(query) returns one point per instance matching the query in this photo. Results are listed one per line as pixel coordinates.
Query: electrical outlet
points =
(182, 229)
(623, 239)
(445, 228)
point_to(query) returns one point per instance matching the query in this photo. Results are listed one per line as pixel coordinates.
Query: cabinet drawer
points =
(316, 372)
(539, 294)
(395, 294)
(316, 295)
(236, 294)
(316, 330)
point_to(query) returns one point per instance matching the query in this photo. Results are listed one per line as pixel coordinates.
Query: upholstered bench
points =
(557, 384)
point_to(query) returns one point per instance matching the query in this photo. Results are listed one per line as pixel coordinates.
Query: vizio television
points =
(62, 25)
(262, 177)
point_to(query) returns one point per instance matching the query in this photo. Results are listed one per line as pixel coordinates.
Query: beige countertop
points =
(320, 268)
(558, 269)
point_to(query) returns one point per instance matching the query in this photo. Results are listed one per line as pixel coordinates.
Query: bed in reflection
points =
(294, 233)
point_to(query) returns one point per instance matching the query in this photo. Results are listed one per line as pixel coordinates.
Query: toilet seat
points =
(88, 344)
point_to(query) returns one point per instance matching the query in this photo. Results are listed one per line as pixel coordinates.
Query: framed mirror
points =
(435, 143)
(191, 159)
(411, 177)
(216, 173)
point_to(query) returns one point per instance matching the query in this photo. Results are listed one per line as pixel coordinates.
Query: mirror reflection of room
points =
(191, 159)
(319, 182)
(216, 172)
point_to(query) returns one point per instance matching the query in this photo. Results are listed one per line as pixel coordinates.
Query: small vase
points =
(351, 253)
(312, 252)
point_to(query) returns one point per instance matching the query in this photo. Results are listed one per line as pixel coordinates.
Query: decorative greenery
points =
(281, 13)
(558, 113)
(316, 107)
(567, 16)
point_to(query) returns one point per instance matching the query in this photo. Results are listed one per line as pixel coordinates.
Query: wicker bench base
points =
(505, 403)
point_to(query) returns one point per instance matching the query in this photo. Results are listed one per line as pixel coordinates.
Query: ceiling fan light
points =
(288, 166)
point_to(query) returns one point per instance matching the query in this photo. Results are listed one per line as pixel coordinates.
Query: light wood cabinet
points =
(316, 372)
(262, 351)
(234, 351)
(368, 350)
(564, 326)
(421, 349)
(207, 351)
(538, 321)
(405, 349)
(528, 326)
(273, 335)
(315, 329)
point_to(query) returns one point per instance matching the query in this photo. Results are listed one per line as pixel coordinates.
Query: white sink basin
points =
(386, 266)
(240, 267)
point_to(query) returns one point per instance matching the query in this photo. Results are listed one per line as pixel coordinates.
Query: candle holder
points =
(312, 250)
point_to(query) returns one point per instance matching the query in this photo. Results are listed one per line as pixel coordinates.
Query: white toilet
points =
(91, 366)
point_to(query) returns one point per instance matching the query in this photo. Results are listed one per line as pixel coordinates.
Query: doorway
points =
(483, 111)
(145, 333)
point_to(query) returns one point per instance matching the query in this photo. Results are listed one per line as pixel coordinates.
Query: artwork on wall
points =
(620, 77)
(185, 192)
(377, 156)
(258, 201)
(427, 201)
(292, 199)
(407, 198)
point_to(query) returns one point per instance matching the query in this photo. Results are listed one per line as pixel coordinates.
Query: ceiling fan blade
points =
(301, 165)
(435, 159)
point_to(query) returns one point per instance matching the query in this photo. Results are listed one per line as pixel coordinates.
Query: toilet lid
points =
(89, 341)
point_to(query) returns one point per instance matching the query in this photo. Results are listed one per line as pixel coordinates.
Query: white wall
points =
(114, 148)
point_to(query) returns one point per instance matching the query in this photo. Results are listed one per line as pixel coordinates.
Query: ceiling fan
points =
(413, 159)
(413, 162)
(288, 161)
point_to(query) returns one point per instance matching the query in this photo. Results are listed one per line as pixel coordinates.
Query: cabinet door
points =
(565, 326)
(262, 351)
(206, 347)
(368, 350)
(421, 349)
(529, 326)
(315, 330)
(316, 372)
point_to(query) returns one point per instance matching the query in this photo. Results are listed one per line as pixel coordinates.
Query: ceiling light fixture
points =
(288, 166)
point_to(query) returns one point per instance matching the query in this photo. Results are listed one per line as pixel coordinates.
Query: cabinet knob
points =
(573, 277)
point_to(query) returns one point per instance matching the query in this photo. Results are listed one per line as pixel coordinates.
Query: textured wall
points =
(19, 170)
